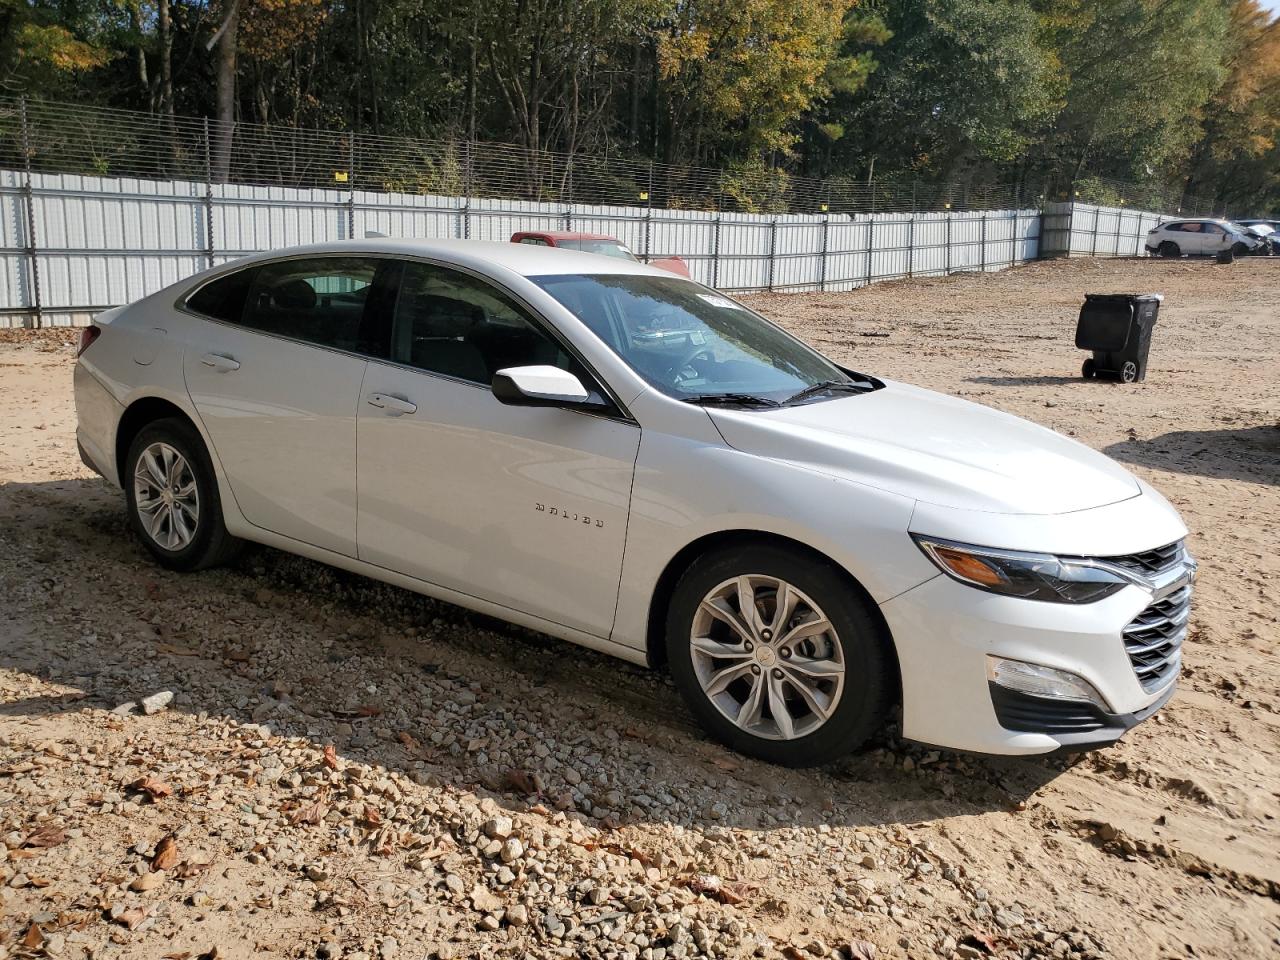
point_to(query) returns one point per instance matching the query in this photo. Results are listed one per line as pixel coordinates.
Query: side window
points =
(223, 298)
(320, 300)
(1213, 229)
(1191, 228)
(451, 323)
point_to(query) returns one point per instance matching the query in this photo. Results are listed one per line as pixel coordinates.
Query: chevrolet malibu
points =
(639, 464)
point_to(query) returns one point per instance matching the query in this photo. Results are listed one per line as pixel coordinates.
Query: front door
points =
(276, 384)
(521, 506)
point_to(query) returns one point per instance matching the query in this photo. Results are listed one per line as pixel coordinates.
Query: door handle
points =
(396, 406)
(220, 363)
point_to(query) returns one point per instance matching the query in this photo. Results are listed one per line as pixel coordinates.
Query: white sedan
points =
(636, 463)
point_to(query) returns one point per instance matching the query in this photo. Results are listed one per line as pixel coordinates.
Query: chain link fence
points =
(46, 137)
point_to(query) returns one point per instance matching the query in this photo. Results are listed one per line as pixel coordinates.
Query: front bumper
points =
(945, 633)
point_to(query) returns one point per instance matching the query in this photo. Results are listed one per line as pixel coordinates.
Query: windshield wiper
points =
(827, 386)
(731, 399)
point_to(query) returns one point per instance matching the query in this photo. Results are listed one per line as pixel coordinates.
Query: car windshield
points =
(693, 343)
(608, 248)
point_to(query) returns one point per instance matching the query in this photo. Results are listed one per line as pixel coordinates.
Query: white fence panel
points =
(99, 242)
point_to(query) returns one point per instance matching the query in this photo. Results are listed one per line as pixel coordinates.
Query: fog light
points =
(1038, 681)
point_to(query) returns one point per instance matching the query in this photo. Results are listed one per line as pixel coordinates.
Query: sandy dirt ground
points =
(350, 770)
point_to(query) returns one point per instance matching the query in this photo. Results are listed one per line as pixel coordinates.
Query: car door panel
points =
(282, 422)
(522, 506)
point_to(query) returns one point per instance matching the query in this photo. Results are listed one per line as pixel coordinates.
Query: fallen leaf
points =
(371, 816)
(172, 649)
(132, 917)
(155, 789)
(521, 781)
(410, 743)
(190, 868)
(38, 882)
(312, 813)
(980, 941)
(182, 955)
(793, 953)
(146, 881)
(725, 764)
(47, 836)
(16, 769)
(330, 757)
(368, 711)
(166, 854)
(33, 939)
(211, 954)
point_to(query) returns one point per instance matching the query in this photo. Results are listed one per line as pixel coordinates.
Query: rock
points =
(147, 881)
(124, 709)
(498, 828)
(489, 922)
(517, 915)
(156, 702)
(388, 948)
(512, 850)
(454, 884)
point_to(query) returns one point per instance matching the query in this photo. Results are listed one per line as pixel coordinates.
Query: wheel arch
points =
(655, 645)
(136, 416)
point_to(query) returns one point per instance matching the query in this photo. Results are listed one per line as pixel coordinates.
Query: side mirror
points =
(539, 386)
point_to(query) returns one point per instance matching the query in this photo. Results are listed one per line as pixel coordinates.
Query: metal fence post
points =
(773, 248)
(1119, 217)
(948, 243)
(568, 216)
(28, 199)
(351, 187)
(911, 237)
(822, 264)
(982, 246)
(208, 196)
(715, 254)
(466, 200)
(648, 212)
(1093, 249)
(1013, 250)
(871, 232)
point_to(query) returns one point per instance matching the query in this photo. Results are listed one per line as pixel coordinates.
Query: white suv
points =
(636, 463)
(1191, 238)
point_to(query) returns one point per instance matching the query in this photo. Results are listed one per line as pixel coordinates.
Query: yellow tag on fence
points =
(340, 176)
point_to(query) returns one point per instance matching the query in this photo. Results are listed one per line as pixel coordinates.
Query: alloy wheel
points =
(166, 496)
(767, 657)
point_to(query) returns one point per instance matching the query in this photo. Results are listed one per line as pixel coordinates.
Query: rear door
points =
(1214, 238)
(521, 506)
(276, 384)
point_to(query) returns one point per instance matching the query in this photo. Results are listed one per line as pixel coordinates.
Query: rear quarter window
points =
(224, 297)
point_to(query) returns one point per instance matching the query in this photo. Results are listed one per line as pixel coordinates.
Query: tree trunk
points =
(165, 26)
(224, 128)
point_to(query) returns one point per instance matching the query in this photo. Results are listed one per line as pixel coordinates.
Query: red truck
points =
(594, 243)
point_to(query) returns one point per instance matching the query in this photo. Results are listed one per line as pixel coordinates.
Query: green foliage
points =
(1182, 95)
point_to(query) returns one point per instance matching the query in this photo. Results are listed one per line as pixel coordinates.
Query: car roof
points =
(524, 259)
(565, 235)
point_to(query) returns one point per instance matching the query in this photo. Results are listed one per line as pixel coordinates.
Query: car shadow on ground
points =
(1251, 454)
(601, 716)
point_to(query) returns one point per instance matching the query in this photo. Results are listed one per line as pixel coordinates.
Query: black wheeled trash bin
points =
(1117, 328)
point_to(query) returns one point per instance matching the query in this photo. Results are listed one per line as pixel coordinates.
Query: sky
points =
(1272, 5)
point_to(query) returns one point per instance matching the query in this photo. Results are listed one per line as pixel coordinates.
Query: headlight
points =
(1032, 576)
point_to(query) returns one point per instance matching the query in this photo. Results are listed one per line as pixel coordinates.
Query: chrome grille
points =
(1150, 561)
(1153, 639)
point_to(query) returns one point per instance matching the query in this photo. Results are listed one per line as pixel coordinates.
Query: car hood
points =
(935, 448)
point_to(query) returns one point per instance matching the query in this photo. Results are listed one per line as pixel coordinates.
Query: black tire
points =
(1168, 248)
(1129, 372)
(1240, 249)
(210, 544)
(870, 685)
(1088, 369)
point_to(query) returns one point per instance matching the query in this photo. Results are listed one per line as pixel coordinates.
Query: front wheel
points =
(1240, 249)
(1129, 372)
(779, 655)
(173, 498)
(1088, 369)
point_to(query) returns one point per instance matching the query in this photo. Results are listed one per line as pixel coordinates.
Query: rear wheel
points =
(1129, 372)
(173, 498)
(1168, 248)
(1088, 369)
(778, 655)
